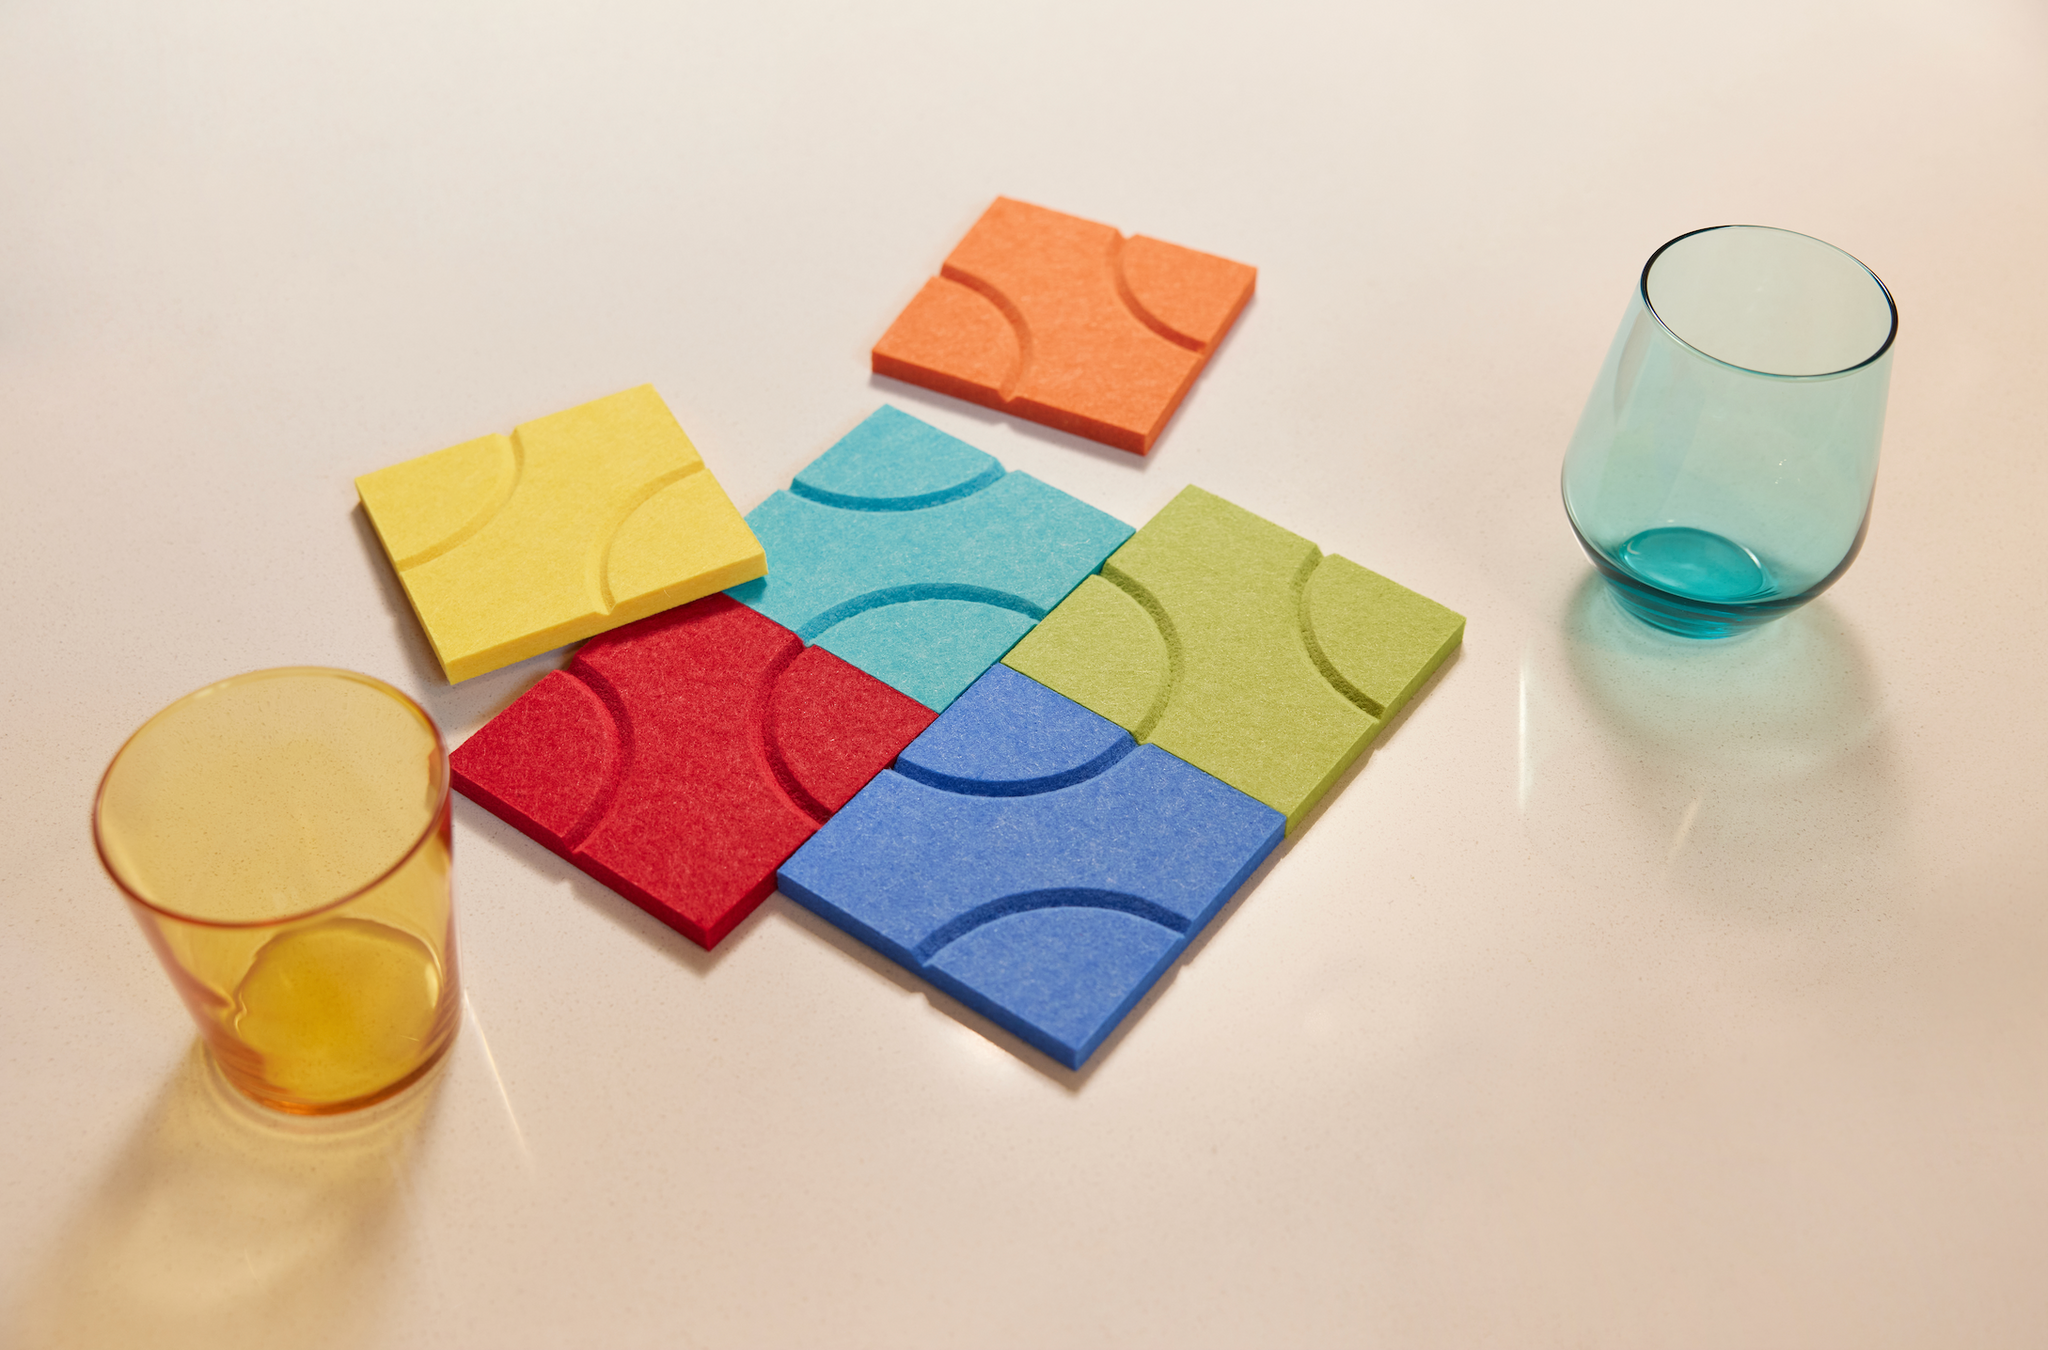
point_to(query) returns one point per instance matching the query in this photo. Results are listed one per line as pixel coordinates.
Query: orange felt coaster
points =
(1068, 323)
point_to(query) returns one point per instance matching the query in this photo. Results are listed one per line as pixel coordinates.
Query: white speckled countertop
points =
(1627, 996)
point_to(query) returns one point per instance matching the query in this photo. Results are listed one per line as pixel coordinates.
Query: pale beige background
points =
(1627, 997)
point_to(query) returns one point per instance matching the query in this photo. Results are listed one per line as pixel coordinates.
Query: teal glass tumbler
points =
(1722, 472)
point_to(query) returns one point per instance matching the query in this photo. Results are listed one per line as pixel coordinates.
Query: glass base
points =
(1695, 583)
(1677, 614)
(1697, 564)
(261, 1093)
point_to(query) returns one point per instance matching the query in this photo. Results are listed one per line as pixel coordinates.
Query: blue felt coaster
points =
(1028, 858)
(917, 557)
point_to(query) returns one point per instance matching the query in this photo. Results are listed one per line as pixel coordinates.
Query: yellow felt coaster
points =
(576, 523)
(1238, 646)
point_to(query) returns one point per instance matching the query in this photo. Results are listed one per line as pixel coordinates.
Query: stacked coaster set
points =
(976, 723)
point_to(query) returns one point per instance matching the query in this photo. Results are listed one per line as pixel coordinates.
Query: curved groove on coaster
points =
(598, 574)
(1163, 621)
(1017, 787)
(899, 595)
(508, 483)
(1137, 309)
(607, 791)
(1062, 898)
(1323, 663)
(988, 477)
(760, 718)
(1011, 315)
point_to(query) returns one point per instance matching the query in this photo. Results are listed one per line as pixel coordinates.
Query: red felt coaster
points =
(1068, 323)
(682, 758)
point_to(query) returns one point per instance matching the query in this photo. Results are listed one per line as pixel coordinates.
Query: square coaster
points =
(919, 558)
(1028, 858)
(1241, 648)
(1066, 322)
(509, 546)
(681, 758)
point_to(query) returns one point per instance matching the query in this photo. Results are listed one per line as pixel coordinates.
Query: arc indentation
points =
(1011, 315)
(901, 595)
(1018, 787)
(508, 483)
(762, 715)
(1365, 702)
(1136, 307)
(1163, 621)
(599, 577)
(622, 722)
(1077, 897)
(986, 478)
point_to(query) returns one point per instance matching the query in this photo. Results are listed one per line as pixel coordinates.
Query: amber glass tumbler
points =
(282, 837)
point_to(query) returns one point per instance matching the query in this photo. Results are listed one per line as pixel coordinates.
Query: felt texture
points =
(917, 557)
(509, 546)
(1027, 857)
(1238, 646)
(681, 758)
(1066, 322)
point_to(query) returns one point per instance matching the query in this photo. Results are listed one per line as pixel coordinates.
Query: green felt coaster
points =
(1238, 646)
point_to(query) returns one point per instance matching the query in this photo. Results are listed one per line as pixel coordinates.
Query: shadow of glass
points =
(225, 1225)
(1756, 770)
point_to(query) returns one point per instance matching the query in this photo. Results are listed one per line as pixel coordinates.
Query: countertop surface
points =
(1630, 993)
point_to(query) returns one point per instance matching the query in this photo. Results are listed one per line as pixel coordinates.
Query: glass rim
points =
(438, 807)
(1891, 305)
